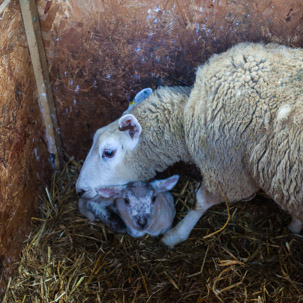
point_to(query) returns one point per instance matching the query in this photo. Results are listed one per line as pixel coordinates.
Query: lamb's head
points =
(137, 202)
(111, 159)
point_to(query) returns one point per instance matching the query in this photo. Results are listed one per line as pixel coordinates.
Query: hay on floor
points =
(67, 259)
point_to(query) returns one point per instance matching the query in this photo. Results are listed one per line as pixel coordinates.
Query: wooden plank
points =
(35, 43)
(4, 5)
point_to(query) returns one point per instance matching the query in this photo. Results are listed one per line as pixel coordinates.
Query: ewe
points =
(241, 125)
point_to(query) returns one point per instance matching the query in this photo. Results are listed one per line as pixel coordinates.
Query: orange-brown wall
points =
(101, 53)
(24, 164)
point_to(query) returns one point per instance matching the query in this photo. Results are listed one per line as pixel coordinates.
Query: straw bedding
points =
(254, 258)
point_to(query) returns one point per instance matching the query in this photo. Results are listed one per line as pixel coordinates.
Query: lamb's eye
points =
(153, 199)
(108, 153)
(126, 201)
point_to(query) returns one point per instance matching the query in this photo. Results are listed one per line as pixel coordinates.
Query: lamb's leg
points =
(105, 211)
(296, 225)
(85, 211)
(182, 230)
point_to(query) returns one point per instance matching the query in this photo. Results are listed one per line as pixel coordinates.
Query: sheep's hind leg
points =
(296, 225)
(182, 230)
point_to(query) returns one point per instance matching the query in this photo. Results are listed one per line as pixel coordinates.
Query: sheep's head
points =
(107, 162)
(139, 204)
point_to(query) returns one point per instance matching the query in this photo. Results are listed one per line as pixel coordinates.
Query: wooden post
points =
(35, 43)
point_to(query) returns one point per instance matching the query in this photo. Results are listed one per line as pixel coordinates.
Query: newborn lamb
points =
(145, 208)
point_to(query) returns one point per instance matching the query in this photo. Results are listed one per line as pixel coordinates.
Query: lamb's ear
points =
(131, 128)
(114, 192)
(166, 184)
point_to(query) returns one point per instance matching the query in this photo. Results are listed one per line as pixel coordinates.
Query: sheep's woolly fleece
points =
(244, 123)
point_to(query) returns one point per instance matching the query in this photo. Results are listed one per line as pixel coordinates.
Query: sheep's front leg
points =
(296, 225)
(182, 230)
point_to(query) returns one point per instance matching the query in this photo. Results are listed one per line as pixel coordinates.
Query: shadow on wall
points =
(101, 53)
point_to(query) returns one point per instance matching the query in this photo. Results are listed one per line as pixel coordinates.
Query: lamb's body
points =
(242, 126)
(114, 214)
(138, 208)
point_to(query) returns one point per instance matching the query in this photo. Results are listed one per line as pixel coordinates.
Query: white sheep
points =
(145, 208)
(242, 126)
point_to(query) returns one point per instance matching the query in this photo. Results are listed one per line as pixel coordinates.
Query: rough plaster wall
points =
(101, 53)
(24, 165)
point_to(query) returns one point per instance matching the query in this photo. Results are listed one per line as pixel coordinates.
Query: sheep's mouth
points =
(90, 195)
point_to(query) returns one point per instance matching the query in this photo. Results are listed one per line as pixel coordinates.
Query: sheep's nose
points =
(142, 222)
(81, 192)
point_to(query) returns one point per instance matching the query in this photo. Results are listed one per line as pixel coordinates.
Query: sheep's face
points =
(137, 205)
(107, 162)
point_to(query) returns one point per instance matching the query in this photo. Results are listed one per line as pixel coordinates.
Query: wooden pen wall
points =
(101, 53)
(24, 164)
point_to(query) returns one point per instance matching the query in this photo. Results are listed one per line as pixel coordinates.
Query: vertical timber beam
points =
(46, 101)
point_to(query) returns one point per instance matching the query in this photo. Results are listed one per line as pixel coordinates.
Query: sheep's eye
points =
(126, 201)
(108, 153)
(153, 199)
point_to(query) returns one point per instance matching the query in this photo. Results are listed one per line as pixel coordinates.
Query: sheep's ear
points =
(166, 184)
(131, 128)
(112, 191)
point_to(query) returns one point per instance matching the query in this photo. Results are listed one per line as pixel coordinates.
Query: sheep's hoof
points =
(90, 216)
(295, 225)
(167, 239)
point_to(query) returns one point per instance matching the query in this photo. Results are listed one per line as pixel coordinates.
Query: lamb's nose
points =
(142, 222)
(81, 192)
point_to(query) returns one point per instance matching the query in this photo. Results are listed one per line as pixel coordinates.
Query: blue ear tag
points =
(141, 95)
